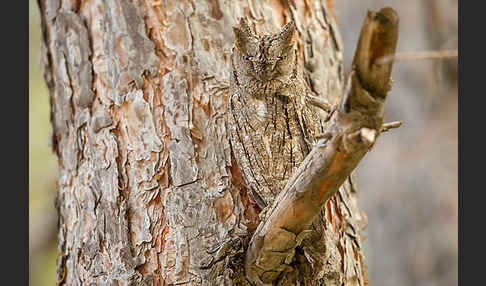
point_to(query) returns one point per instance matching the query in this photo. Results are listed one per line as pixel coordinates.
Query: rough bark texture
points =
(149, 192)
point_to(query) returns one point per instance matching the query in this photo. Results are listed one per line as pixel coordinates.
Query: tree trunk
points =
(149, 190)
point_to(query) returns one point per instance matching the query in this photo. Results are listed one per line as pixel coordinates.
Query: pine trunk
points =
(149, 192)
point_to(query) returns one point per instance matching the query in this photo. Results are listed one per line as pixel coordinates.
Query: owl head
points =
(266, 58)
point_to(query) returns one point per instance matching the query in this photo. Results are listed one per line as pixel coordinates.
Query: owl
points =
(271, 126)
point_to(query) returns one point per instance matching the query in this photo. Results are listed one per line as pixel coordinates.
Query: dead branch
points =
(353, 130)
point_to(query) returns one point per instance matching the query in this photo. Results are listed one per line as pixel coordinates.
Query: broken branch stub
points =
(353, 130)
(377, 39)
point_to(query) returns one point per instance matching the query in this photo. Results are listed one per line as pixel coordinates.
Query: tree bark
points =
(149, 192)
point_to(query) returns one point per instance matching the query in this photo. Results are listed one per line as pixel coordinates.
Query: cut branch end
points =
(390, 125)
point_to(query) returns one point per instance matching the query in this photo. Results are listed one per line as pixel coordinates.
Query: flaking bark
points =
(149, 192)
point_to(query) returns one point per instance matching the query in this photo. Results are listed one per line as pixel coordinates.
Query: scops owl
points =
(271, 126)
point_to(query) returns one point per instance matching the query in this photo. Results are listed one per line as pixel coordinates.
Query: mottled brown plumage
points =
(271, 127)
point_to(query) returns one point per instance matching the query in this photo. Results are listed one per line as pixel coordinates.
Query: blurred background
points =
(408, 184)
(42, 167)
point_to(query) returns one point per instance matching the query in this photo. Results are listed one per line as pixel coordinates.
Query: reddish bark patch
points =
(332, 214)
(330, 7)
(251, 209)
(338, 219)
(300, 51)
(205, 44)
(281, 8)
(223, 207)
(246, 12)
(215, 10)
(329, 212)
(121, 52)
(75, 4)
(342, 251)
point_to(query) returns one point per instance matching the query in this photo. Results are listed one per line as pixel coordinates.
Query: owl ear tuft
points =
(245, 40)
(286, 35)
